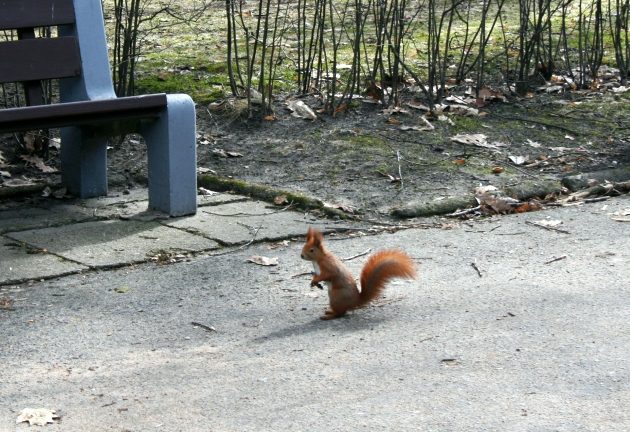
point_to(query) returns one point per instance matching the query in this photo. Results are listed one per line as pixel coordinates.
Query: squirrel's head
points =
(312, 249)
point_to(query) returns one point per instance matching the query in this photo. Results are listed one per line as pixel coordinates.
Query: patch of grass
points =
(197, 86)
(367, 141)
(467, 124)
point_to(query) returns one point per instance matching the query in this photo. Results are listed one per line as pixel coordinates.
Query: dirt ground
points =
(364, 160)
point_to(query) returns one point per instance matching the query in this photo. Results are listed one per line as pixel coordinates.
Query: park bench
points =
(88, 111)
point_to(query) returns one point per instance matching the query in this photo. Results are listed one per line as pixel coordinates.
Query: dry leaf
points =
(416, 128)
(37, 416)
(393, 179)
(419, 107)
(6, 303)
(481, 190)
(278, 245)
(234, 154)
(395, 110)
(6, 174)
(464, 110)
(519, 160)
(281, 200)
(18, 183)
(497, 170)
(488, 94)
(122, 289)
(38, 163)
(459, 100)
(550, 223)
(341, 108)
(446, 119)
(219, 152)
(60, 193)
(206, 192)
(528, 207)
(479, 140)
(270, 117)
(54, 143)
(342, 207)
(374, 91)
(621, 215)
(488, 199)
(33, 142)
(263, 261)
(301, 110)
(255, 96)
(459, 161)
(534, 144)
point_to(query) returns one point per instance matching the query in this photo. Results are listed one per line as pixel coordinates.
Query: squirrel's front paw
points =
(316, 284)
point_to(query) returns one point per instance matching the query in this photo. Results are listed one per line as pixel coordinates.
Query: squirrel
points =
(343, 293)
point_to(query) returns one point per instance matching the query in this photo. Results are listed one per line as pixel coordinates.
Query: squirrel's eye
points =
(312, 249)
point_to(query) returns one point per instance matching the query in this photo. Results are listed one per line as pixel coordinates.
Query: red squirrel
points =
(343, 293)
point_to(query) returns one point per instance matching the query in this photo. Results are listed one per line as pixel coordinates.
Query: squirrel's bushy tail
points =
(379, 269)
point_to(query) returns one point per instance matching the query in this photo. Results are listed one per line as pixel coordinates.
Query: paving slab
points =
(18, 262)
(134, 205)
(240, 222)
(112, 242)
(119, 199)
(26, 218)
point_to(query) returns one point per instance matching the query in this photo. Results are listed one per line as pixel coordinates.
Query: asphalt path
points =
(510, 327)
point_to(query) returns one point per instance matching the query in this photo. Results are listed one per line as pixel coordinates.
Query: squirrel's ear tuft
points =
(318, 237)
(314, 236)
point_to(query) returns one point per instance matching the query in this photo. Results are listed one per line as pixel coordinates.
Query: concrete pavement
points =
(55, 238)
(510, 327)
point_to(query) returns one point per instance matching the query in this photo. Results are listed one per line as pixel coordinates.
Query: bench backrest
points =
(78, 55)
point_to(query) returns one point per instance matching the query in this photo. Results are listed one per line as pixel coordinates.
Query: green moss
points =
(367, 141)
(198, 87)
(267, 193)
(467, 124)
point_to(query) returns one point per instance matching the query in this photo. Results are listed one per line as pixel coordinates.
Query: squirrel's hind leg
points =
(331, 314)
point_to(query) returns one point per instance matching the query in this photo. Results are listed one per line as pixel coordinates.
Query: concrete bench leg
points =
(83, 162)
(171, 146)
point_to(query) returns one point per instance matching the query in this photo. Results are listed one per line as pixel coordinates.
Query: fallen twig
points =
(358, 255)
(593, 200)
(598, 191)
(287, 207)
(474, 265)
(427, 122)
(547, 227)
(203, 326)
(241, 246)
(389, 301)
(402, 186)
(464, 212)
(556, 259)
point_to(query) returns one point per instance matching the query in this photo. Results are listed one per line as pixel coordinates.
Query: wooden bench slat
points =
(38, 59)
(17, 14)
(85, 112)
